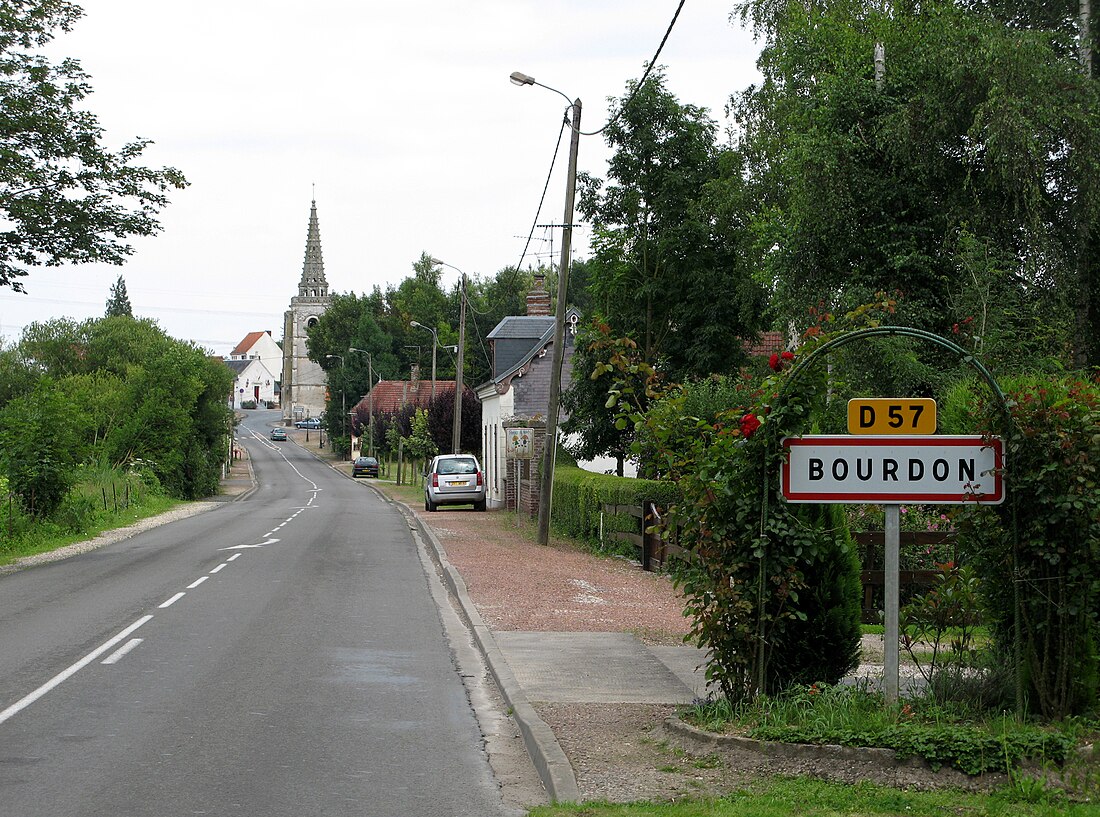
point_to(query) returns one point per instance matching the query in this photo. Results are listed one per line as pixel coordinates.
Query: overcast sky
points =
(400, 115)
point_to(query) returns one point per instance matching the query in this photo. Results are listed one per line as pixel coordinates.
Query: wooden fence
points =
(654, 549)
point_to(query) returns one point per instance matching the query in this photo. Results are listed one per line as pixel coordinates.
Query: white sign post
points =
(888, 470)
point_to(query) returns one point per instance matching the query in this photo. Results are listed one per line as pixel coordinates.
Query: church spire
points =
(313, 283)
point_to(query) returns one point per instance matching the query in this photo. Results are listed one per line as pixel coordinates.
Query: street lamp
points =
(343, 399)
(435, 345)
(370, 392)
(546, 489)
(456, 428)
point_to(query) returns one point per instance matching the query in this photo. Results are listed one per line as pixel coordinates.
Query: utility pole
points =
(456, 432)
(546, 488)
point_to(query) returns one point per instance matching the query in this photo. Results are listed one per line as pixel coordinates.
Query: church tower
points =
(303, 386)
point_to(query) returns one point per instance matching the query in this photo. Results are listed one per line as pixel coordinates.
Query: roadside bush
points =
(36, 448)
(579, 496)
(1039, 553)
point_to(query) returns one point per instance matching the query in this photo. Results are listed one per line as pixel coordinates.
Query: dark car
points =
(312, 422)
(278, 434)
(364, 467)
(454, 479)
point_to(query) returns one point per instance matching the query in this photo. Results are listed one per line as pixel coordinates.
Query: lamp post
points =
(546, 489)
(370, 395)
(456, 428)
(343, 399)
(435, 345)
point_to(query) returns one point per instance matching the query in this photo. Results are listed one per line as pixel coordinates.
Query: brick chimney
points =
(538, 299)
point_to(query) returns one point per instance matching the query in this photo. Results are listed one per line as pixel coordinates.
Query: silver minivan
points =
(454, 479)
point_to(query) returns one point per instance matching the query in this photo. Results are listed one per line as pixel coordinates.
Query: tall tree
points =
(64, 197)
(665, 272)
(963, 170)
(118, 304)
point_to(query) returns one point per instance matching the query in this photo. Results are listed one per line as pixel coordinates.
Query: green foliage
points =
(1039, 552)
(579, 496)
(822, 642)
(670, 238)
(419, 443)
(36, 448)
(135, 393)
(948, 609)
(118, 303)
(960, 179)
(762, 578)
(64, 197)
(101, 498)
(851, 716)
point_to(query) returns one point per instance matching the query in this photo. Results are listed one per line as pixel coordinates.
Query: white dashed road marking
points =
(62, 676)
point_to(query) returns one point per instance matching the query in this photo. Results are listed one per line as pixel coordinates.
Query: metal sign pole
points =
(890, 659)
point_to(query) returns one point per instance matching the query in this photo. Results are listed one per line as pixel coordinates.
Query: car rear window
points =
(458, 466)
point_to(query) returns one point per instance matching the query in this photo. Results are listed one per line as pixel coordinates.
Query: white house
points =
(252, 381)
(260, 346)
(522, 352)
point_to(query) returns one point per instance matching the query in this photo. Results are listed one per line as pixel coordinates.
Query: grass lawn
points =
(805, 797)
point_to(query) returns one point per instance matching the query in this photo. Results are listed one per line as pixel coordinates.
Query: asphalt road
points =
(281, 655)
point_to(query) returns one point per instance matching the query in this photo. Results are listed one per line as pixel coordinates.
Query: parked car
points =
(278, 434)
(311, 422)
(454, 479)
(365, 467)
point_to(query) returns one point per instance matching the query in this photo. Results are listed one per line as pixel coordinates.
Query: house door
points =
(256, 392)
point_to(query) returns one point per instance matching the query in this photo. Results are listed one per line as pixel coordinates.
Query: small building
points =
(263, 347)
(252, 382)
(522, 352)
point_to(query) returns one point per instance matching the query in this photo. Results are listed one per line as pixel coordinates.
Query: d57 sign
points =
(888, 415)
(943, 470)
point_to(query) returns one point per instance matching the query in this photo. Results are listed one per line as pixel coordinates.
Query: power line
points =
(645, 75)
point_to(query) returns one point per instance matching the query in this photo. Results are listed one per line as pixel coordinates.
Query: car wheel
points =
(429, 505)
(479, 506)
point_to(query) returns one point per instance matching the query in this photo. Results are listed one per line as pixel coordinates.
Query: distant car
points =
(278, 434)
(454, 479)
(364, 467)
(312, 422)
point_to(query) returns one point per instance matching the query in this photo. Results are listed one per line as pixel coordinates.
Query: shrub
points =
(579, 496)
(1037, 552)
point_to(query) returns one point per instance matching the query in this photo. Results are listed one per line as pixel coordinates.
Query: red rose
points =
(749, 424)
(773, 361)
(787, 355)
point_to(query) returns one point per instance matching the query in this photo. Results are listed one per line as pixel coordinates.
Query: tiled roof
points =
(248, 342)
(769, 343)
(391, 395)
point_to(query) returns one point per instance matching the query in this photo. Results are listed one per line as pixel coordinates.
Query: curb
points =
(546, 753)
(252, 477)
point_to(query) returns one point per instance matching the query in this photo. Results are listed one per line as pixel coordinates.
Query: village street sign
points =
(933, 470)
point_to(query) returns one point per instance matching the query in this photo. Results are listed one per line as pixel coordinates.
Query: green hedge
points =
(579, 494)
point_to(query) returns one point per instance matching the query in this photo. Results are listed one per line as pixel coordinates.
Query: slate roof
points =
(522, 326)
(238, 366)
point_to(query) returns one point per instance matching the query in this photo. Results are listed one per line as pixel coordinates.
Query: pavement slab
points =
(593, 668)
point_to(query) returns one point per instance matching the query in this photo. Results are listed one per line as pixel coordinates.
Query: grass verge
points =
(805, 797)
(103, 499)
